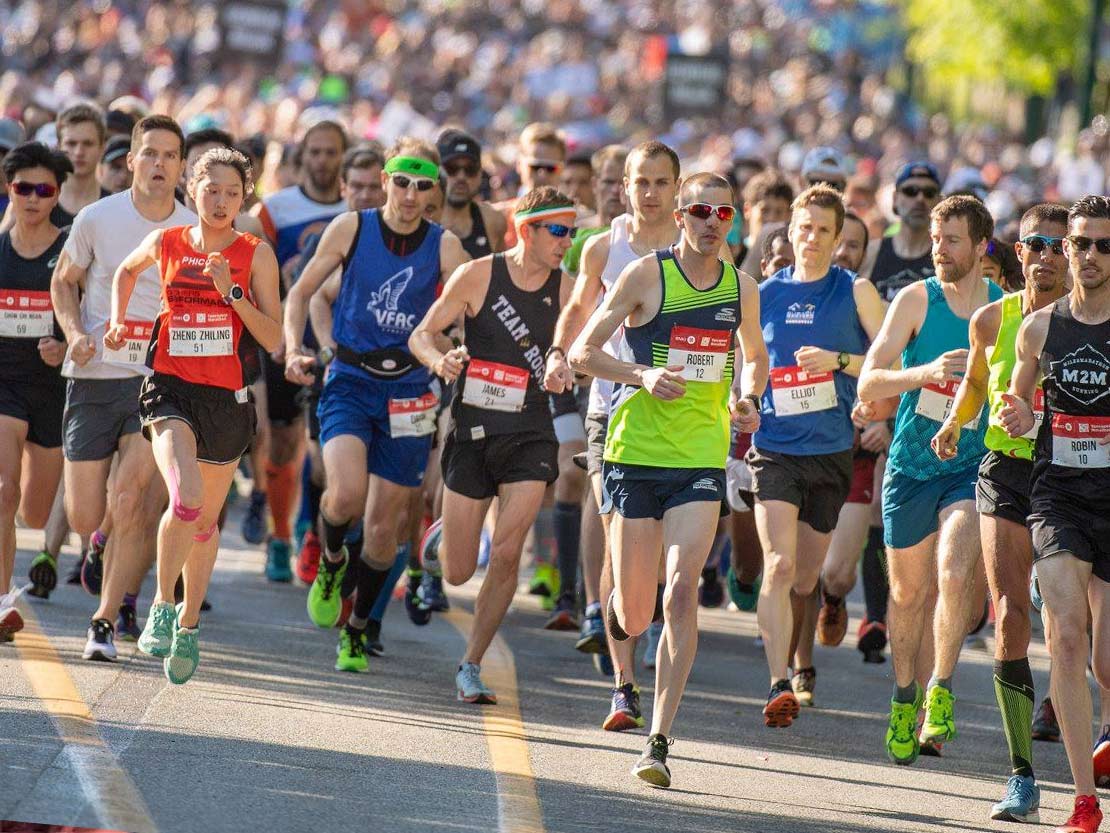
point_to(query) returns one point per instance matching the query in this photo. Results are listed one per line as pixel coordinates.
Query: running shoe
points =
(419, 613)
(374, 646)
(652, 766)
(802, 683)
(278, 553)
(871, 640)
(603, 664)
(615, 629)
(1022, 802)
(350, 653)
(127, 623)
(253, 527)
(431, 593)
(564, 618)
(92, 569)
(74, 576)
(710, 591)
(902, 745)
(100, 645)
(43, 575)
(624, 710)
(940, 722)
(651, 644)
(324, 601)
(932, 749)
(744, 596)
(11, 620)
(1085, 818)
(591, 636)
(184, 657)
(545, 581)
(782, 706)
(832, 621)
(157, 636)
(470, 688)
(308, 558)
(1045, 726)
(1102, 758)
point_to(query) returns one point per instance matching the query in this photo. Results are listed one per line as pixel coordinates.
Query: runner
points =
(1002, 493)
(1066, 344)
(81, 137)
(376, 411)
(666, 487)
(767, 199)
(196, 408)
(541, 152)
(650, 179)
(577, 178)
(930, 528)
(102, 395)
(479, 225)
(503, 444)
(896, 262)
(32, 393)
(817, 319)
(112, 173)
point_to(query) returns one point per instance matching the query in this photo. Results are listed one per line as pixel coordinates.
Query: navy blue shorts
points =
(649, 491)
(361, 408)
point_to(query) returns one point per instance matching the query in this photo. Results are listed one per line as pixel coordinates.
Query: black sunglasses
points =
(464, 168)
(558, 229)
(549, 167)
(914, 191)
(403, 182)
(42, 189)
(1081, 244)
(702, 211)
(1039, 242)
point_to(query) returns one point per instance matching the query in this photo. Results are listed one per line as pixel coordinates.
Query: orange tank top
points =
(197, 337)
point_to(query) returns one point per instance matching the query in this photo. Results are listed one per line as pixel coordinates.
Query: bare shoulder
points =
(986, 321)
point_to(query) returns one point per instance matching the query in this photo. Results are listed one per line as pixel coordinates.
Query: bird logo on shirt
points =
(390, 292)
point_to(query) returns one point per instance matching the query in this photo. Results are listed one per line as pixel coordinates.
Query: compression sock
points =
(876, 589)
(283, 491)
(371, 580)
(568, 528)
(905, 694)
(1013, 688)
(377, 612)
(335, 535)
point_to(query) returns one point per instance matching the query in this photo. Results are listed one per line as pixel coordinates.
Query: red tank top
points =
(197, 336)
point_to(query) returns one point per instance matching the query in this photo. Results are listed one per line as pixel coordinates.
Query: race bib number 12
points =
(702, 353)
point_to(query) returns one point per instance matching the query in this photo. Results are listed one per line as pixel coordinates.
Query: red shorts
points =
(863, 479)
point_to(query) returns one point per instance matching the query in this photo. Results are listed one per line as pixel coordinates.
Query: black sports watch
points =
(234, 294)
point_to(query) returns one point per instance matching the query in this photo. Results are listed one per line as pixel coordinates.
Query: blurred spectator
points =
(112, 173)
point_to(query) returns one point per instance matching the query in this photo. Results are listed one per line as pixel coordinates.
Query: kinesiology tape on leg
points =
(180, 510)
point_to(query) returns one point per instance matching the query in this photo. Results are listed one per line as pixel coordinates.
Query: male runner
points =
(650, 180)
(377, 408)
(112, 173)
(478, 225)
(503, 444)
(541, 152)
(102, 396)
(1002, 493)
(897, 261)
(577, 180)
(817, 319)
(1066, 344)
(930, 526)
(767, 199)
(81, 137)
(686, 313)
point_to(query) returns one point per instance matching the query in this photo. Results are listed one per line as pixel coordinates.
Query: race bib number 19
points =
(1075, 441)
(201, 334)
(702, 353)
(134, 351)
(414, 417)
(495, 387)
(796, 391)
(935, 402)
(25, 314)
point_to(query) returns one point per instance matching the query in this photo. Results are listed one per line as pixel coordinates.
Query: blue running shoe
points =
(470, 688)
(253, 527)
(278, 552)
(1022, 802)
(431, 593)
(624, 710)
(651, 644)
(591, 637)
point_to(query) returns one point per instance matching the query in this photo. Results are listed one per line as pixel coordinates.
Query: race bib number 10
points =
(495, 387)
(1075, 441)
(702, 353)
(25, 314)
(796, 391)
(134, 351)
(201, 334)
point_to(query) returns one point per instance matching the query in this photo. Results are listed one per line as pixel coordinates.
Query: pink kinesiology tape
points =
(180, 510)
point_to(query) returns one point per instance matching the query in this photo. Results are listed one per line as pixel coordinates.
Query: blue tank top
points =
(802, 413)
(384, 296)
(921, 411)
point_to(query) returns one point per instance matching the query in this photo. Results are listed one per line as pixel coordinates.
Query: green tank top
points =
(696, 329)
(1001, 360)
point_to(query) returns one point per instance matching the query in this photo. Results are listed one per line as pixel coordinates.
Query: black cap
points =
(455, 143)
(118, 121)
(116, 147)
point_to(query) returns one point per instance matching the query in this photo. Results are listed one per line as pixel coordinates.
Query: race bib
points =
(201, 334)
(134, 351)
(1075, 441)
(796, 391)
(414, 417)
(935, 402)
(702, 353)
(495, 387)
(25, 314)
(1038, 415)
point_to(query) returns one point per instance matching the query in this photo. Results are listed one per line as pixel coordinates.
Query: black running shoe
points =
(615, 629)
(43, 575)
(127, 625)
(92, 570)
(74, 576)
(652, 766)
(712, 592)
(1045, 727)
(374, 646)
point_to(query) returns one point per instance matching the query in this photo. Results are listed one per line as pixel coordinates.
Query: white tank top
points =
(621, 254)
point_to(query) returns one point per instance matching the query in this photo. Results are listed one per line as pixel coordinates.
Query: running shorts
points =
(650, 491)
(597, 426)
(223, 421)
(1002, 490)
(1060, 525)
(98, 413)
(817, 484)
(911, 507)
(39, 404)
(478, 468)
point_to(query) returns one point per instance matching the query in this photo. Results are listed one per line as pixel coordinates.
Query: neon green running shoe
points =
(545, 581)
(350, 653)
(902, 745)
(324, 599)
(184, 656)
(157, 635)
(940, 723)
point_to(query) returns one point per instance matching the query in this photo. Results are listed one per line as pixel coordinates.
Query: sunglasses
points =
(558, 229)
(42, 189)
(1039, 242)
(702, 211)
(464, 168)
(548, 167)
(914, 191)
(403, 182)
(1081, 244)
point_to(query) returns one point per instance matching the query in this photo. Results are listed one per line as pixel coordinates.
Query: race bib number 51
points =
(134, 350)
(415, 417)
(935, 402)
(702, 353)
(796, 391)
(1075, 441)
(25, 314)
(495, 387)
(201, 334)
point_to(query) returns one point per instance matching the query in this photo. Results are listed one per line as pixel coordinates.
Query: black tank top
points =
(477, 242)
(26, 313)
(501, 389)
(891, 273)
(1075, 363)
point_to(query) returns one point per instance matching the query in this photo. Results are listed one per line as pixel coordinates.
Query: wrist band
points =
(412, 165)
(555, 349)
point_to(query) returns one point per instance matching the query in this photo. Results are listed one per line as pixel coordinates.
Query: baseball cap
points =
(919, 168)
(118, 121)
(825, 163)
(967, 180)
(11, 134)
(116, 147)
(454, 143)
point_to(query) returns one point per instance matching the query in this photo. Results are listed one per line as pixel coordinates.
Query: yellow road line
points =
(114, 798)
(518, 807)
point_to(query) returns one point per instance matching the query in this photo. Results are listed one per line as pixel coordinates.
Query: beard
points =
(954, 272)
(324, 180)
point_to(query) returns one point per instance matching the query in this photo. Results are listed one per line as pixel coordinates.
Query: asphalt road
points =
(268, 737)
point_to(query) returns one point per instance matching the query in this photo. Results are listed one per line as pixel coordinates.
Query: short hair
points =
(412, 146)
(1045, 212)
(227, 156)
(581, 159)
(326, 124)
(36, 155)
(542, 132)
(607, 154)
(545, 196)
(779, 232)
(768, 184)
(980, 223)
(650, 150)
(1092, 206)
(80, 113)
(822, 196)
(704, 179)
(208, 136)
(361, 157)
(848, 215)
(156, 122)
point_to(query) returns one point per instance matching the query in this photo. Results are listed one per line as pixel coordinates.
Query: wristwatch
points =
(234, 294)
(843, 358)
(324, 356)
